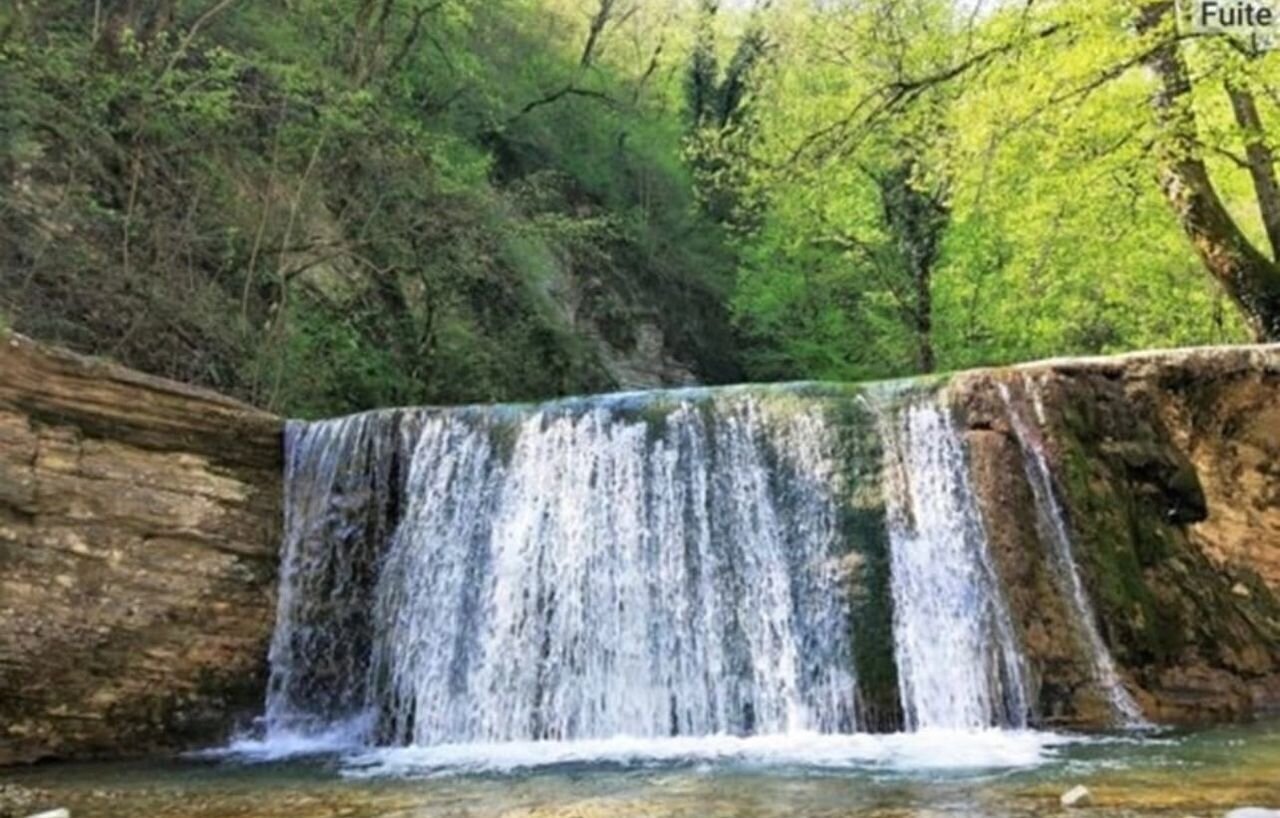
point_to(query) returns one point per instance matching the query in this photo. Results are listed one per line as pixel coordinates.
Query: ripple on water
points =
(989, 774)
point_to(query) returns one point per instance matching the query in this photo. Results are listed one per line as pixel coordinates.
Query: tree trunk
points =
(1261, 162)
(917, 219)
(1248, 277)
(598, 21)
(925, 362)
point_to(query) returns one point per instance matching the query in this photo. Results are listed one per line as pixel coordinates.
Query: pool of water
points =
(933, 774)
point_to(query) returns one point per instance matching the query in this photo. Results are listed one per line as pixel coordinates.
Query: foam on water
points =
(924, 751)
(343, 737)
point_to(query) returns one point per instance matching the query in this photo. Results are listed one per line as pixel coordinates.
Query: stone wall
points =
(1167, 467)
(139, 521)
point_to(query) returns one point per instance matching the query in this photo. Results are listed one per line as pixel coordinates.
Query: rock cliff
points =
(1167, 469)
(138, 529)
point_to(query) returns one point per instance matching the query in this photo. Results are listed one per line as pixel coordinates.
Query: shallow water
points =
(988, 774)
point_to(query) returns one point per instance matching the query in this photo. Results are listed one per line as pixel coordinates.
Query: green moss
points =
(656, 414)
(1152, 541)
(865, 533)
(1115, 534)
(504, 434)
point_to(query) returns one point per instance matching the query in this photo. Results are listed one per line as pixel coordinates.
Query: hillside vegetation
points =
(326, 205)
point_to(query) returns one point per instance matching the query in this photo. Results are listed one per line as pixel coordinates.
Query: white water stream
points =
(1053, 525)
(578, 572)
(658, 567)
(959, 664)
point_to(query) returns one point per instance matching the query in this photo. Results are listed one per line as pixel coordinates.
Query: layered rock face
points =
(1166, 467)
(140, 525)
(139, 522)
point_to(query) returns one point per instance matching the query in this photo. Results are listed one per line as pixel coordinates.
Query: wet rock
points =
(1077, 796)
(17, 801)
(1164, 464)
(52, 813)
(1253, 812)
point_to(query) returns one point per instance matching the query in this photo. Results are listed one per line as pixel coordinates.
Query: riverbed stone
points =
(1077, 796)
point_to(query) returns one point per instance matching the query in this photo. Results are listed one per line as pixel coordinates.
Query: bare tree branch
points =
(213, 11)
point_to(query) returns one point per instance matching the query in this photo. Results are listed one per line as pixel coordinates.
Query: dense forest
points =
(326, 205)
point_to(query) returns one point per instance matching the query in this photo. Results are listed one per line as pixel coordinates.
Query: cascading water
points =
(1053, 527)
(585, 570)
(668, 564)
(959, 665)
(338, 476)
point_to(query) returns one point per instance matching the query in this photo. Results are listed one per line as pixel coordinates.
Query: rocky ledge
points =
(1166, 467)
(139, 521)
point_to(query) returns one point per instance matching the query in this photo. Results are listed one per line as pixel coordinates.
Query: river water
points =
(993, 773)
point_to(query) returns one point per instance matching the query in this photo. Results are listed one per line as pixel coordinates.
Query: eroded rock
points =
(139, 523)
(1164, 465)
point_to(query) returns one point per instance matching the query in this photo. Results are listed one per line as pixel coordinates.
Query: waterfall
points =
(1053, 527)
(337, 511)
(626, 565)
(650, 565)
(959, 665)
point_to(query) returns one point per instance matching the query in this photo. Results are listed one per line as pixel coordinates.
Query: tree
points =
(1249, 276)
(721, 124)
(875, 208)
(1059, 55)
(916, 217)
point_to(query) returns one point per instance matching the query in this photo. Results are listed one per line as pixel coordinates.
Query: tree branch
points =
(1260, 161)
(1247, 276)
(555, 96)
(900, 92)
(190, 36)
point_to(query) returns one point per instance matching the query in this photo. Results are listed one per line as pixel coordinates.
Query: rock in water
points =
(52, 813)
(17, 801)
(1077, 796)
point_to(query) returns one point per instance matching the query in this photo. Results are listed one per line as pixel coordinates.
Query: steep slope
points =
(317, 210)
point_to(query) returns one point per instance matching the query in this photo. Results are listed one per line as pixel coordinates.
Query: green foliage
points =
(1033, 129)
(322, 206)
(328, 206)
